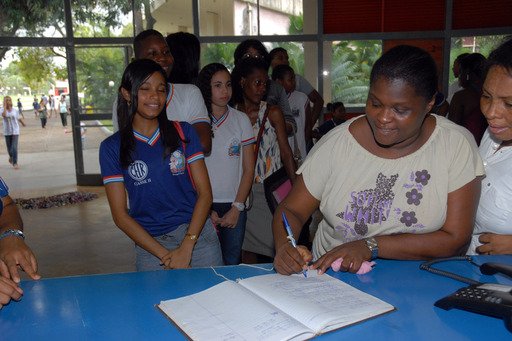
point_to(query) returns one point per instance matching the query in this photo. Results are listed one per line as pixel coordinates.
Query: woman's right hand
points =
(290, 260)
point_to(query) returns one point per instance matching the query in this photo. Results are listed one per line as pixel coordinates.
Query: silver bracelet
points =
(12, 232)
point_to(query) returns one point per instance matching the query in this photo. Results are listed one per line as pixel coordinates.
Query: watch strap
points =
(12, 232)
(373, 246)
(240, 206)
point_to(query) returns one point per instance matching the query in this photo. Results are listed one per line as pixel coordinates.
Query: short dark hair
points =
(139, 38)
(502, 56)
(473, 68)
(460, 57)
(280, 71)
(411, 64)
(242, 48)
(186, 50)
(275, 51)
(331, 107)
(243, 69)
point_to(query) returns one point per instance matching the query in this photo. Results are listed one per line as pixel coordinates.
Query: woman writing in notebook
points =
(396, 183)
(160, 165)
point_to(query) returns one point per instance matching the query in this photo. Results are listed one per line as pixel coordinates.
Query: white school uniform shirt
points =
(494, 213)
(298, 103)
(231, 133)
(184, 103)
(11, 125)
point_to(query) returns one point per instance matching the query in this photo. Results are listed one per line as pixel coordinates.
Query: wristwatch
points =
(373, 246)
(12, 232)
(240, 206)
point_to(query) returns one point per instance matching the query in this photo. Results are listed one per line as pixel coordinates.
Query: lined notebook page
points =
(320, 302)
(228, 311)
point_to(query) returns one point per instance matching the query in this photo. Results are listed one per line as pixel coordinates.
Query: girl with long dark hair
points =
(160, 165)
(231, 162)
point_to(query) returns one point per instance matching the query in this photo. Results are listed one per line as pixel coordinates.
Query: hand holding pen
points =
(290, 236)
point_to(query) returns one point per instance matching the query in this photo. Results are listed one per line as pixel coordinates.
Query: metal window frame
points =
(70, 43)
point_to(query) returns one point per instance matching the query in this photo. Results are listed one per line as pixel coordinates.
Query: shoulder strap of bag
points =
(177, 125)
(260, 132)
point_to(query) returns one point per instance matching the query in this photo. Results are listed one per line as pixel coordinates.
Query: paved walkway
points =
(46, 158)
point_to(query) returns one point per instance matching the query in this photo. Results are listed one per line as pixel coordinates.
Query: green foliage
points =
(296, 24)
(96, 67)
(33, 18)
(219, 53)
(352, 62)
(35, 66)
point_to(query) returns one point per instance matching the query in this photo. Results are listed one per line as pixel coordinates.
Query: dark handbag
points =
(277, 186)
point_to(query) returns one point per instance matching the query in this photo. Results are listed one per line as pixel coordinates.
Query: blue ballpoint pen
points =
(290, 236)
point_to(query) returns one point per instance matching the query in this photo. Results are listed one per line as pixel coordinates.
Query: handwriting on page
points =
(314, 300)
(205, 316)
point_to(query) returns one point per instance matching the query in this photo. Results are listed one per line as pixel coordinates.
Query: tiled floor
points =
(70, 240)
(78, 239)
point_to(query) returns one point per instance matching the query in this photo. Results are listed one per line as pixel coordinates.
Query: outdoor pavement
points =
(46, 158)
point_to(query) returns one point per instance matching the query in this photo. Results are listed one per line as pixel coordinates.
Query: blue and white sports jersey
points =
(160, 192)
(4, 191)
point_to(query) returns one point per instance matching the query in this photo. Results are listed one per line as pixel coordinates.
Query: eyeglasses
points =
(248, 55)
(259, 82)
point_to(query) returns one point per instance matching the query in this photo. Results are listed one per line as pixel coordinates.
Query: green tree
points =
(36, 67)
(219, 53)
(34, 17)
(96, 69)
(352, 62)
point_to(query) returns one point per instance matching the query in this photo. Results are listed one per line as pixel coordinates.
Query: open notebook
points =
(272, 307)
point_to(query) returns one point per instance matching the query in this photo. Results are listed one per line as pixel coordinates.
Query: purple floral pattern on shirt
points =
(409, 218)
(414, 197)
(422, 177)
(418, 181)
(374, 206)
(370, 206)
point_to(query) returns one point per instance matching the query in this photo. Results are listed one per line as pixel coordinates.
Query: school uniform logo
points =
(177, 163)
(138, 170)
(234, 148)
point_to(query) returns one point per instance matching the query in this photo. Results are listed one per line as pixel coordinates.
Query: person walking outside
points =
(64, 111)
(43, 114)
(11, 117)
(20, 108)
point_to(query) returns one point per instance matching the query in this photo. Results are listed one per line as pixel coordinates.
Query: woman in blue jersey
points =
(160, 165)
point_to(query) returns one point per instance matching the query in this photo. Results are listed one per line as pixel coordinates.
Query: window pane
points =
(92, 133)
(99, 72)
(480, 44)
(218, 53)
(164, 16)
(29, 71)
(351, 62)
(240, 18)
(105, 19)
(44, 19)
(223, 53)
